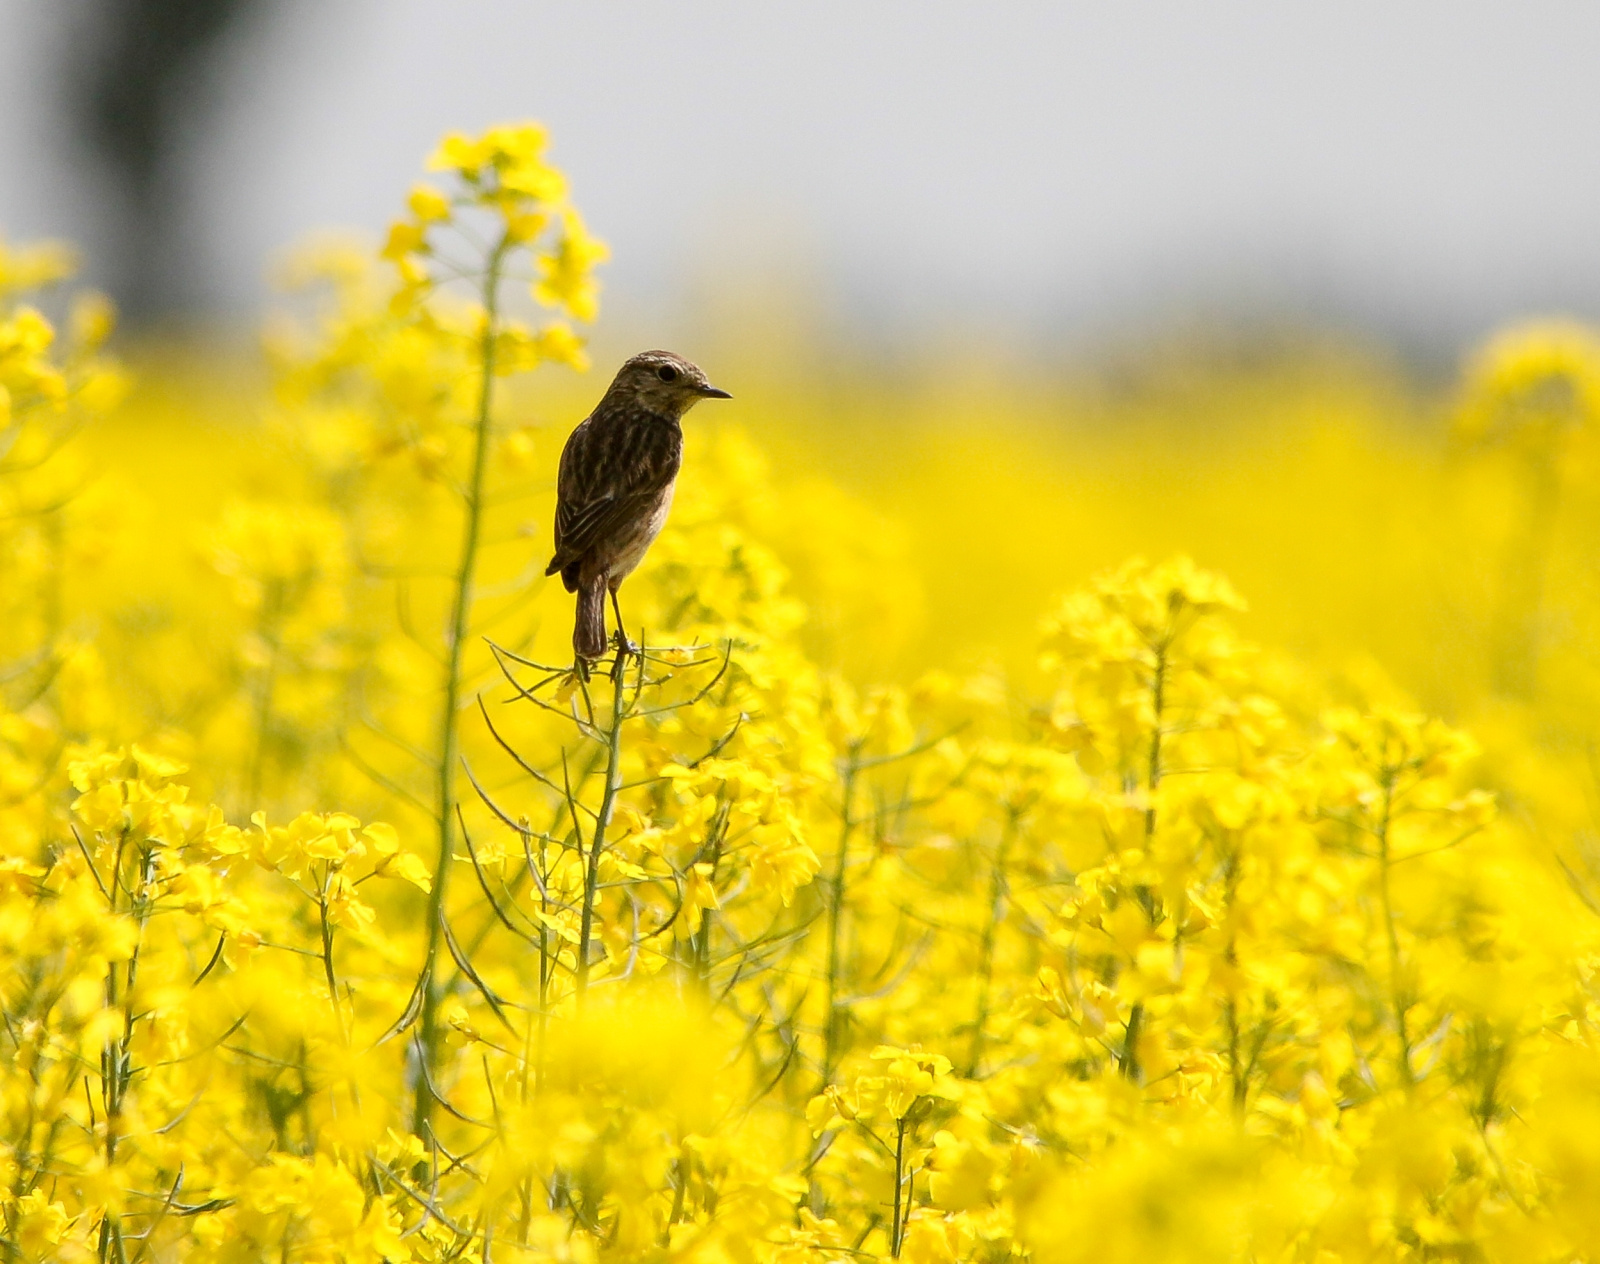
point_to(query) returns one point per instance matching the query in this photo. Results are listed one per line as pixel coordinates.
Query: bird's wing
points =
(612, 468)
(584, 526)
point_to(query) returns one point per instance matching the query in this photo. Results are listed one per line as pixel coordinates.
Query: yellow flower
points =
(41, 1224)
(405, 238)
(567, 272)
(1544, 371)
(155, 768)
(408, 867)
(35, 266)
(93, 318)
(698, 895)
(428, 204)
(344, 909)
(460, 153)
(558, 344)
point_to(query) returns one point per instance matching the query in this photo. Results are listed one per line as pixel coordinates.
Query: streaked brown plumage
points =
(615, 486)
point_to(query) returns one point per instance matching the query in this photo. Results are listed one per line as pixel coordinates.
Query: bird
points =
(618, 471)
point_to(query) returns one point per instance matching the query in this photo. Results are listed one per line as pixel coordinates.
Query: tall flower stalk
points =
(455, 638)
(52, 384)
(505, 193)
(1534, 393)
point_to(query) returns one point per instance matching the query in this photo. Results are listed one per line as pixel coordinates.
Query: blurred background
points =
(1034, 175)
(1006, 293)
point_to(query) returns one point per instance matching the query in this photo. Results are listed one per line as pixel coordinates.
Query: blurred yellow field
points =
(1149, 821)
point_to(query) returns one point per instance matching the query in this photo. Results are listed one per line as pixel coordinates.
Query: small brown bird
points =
(615, 487)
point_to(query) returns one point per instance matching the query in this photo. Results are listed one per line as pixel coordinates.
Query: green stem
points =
(1158, 695)
(327, 949)
(702, 937)
(991, 931)
(608, 805)
(832, 1036)
(1402, 1004)
(1158, 690)
(1230, 954)
(116, 1059)
(449, 720)
(896, 1227)
(540, 1028)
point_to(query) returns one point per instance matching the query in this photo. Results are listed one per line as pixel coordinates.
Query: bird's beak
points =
(714, 392)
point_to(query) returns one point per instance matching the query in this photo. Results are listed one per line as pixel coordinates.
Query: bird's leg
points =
(628, 647)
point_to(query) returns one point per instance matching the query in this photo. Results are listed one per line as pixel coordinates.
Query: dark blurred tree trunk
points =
(135, 81)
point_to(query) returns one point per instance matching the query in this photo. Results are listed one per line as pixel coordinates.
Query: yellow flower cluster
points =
(341, 920)
(1543, 374)
(49, 388)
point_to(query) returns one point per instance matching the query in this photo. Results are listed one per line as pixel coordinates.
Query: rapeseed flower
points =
(325, 936)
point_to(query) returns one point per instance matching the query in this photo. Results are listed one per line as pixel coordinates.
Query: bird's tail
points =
(589, 632)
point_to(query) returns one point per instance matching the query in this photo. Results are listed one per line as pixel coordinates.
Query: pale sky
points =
(1428, 168)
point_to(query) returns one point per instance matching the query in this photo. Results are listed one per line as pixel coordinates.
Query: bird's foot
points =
(629, 648)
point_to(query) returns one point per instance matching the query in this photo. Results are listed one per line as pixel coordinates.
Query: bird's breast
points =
(632, 547)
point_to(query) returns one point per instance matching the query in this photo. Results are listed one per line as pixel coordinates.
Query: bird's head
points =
(664, 383)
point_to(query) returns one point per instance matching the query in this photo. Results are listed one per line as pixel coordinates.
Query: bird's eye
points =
(667, 373)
